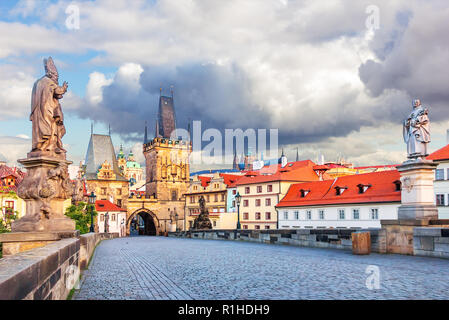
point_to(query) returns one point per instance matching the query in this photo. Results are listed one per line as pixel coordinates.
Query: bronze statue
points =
(202, 221)
(46, 113)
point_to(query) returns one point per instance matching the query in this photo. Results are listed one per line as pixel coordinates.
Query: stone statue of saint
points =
(46, 112)
(417, 131)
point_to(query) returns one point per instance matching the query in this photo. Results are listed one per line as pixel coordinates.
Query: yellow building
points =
(261, 191)
(214, 190)
(102, 173)
(10, 179)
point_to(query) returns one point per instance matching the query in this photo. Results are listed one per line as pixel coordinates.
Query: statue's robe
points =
(44, 109)
(417, 133)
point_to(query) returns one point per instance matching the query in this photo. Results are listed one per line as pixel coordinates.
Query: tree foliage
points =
(81, 213)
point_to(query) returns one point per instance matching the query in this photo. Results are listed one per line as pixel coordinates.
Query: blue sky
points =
(311, 69)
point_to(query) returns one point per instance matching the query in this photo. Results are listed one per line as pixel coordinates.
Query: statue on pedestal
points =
(416, 131)
(47, 184)
(202, 221)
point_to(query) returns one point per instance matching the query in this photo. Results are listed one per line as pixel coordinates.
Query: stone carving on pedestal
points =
(47, 184)
(202, 221)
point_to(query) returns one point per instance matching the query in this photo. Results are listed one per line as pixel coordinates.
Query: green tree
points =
(7, 214)
(81, 214)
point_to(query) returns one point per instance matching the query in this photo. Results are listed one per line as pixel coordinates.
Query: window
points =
(119, 192)
(321, 214)
(439, 174)
(207, 198)
(303, 193)
(268, 202)
(9, 206)
(397, 184)
(267, 227)
(339, 190)
(103, 191)
(270, 188)
(267, 215)
(233, 203)
(223, 197)
(216, 198)
(374, 213)
(257, 215)
(245, 226)
(257, 202)
(259, 189)
(119, 202)
(245, 203)
(309, 214)
(296, 215)
(234, 192)
(113, 217)
(245, 216)
(355, 214)
(440, 199)
(447, 174)
(257, 227)
(215, 223)
(102, 217)
(341, 214)
(174, 195)
(246, 190)
(285, 215)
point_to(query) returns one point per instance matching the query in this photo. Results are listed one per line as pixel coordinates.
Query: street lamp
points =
(92, 198)
(238, 198)
(176, 219)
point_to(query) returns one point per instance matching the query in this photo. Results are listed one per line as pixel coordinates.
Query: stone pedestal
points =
(17, 242)
(417, 195)
(399, 234)
(44, 189)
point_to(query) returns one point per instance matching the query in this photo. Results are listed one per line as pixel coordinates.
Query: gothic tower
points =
(167, 161)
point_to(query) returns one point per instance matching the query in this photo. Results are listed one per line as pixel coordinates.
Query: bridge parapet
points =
(49, 272)
(315, 238)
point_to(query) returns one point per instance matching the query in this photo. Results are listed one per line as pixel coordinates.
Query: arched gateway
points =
(143, 222)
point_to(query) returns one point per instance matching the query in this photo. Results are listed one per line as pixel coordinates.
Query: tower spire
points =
(145, 137)
(297, 154)
(109, 129)
(156, 134)
(92, 128)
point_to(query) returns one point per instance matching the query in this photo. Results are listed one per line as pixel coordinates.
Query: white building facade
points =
(355, 201)
(441, 182)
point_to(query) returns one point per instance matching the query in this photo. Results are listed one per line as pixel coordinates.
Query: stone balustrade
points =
(48, 272)
(314, 238)
(431, 242)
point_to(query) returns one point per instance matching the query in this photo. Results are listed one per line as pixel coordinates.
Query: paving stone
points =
(161, 268)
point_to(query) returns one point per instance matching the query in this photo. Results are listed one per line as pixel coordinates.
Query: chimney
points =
(447, 136)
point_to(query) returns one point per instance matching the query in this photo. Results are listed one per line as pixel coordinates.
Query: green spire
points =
(121, 154)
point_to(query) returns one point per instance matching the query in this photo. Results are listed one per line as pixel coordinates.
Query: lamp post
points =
(176, 219)
(92, 198)
(238, 198)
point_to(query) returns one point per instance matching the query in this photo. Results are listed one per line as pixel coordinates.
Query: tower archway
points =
(143, 222)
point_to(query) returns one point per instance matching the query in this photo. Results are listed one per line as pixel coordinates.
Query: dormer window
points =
(339, 190)
(398, 185)
(363, 187)
(303, 192)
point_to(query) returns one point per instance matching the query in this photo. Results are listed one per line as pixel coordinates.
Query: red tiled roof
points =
(382, 189)
(440, 154)
(293, 171)
(204, 180)
(230, 179)
(6, 171)
(106, 205)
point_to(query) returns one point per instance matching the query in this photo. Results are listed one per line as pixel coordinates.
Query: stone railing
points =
(315, 238)
(431, 242)
(48, 272)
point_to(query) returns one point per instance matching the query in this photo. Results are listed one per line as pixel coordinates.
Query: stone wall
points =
(431, 242)
(48, 272)
(315, 238)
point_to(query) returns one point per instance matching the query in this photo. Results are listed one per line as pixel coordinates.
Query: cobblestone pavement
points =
(173, 268)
